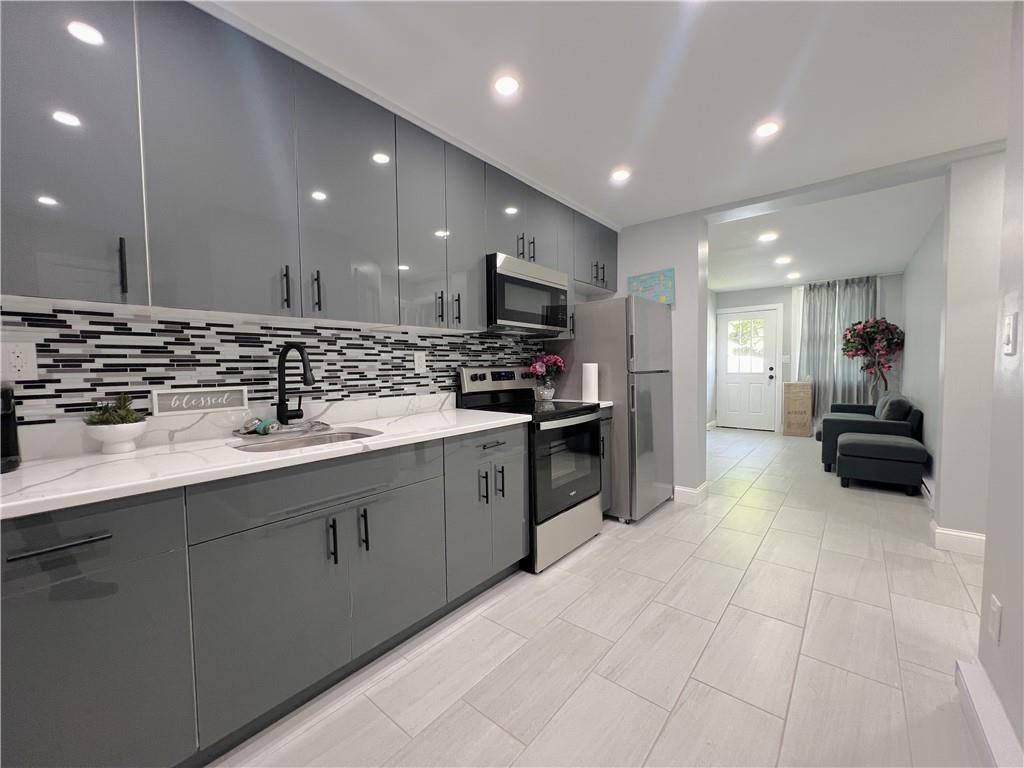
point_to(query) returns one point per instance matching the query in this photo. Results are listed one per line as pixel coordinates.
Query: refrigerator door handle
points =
(632, 350)
(632, 397)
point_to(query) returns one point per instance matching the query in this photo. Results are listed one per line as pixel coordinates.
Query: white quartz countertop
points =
(49, 484)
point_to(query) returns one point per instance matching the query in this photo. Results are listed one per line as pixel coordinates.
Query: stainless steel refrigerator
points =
(630, 339)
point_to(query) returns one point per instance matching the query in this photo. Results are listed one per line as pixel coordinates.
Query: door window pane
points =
(745, 351)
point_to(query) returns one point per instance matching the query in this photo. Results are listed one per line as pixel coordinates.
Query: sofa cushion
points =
(880, 405)
(848, 417)
(890, 447)
(897, 408)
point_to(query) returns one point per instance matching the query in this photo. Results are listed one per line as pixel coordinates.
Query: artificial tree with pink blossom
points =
(876, 342)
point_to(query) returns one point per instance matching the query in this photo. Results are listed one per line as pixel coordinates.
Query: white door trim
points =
(779, 322)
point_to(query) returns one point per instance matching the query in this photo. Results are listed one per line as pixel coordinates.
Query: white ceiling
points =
(672, 89)
(874, 233)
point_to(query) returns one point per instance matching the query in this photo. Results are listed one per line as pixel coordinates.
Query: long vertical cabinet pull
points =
(318, 295)
(595, 273)
(499, 472)
(286, 277)
(521, 245)
(602, 447)
(603, 280)
(533, 249)
(365, 516)
(122, 265)
(457, 303)
(485, 494)
(332, 551)
(440, 307)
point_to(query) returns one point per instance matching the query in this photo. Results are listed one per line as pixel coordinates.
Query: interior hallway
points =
(785, 620)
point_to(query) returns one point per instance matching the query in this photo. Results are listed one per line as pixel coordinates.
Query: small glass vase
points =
(545, 390)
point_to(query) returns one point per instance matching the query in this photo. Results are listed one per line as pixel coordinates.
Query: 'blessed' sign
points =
(198, 400)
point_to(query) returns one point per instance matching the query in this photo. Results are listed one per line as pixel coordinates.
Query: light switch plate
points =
(1010, 333)
(420, 362)
(19, 362)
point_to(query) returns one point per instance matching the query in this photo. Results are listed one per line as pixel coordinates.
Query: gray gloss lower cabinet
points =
(219, 151)
(97, 654)
(397, 561)
(509, 510)
(467, 525)
(270, 612)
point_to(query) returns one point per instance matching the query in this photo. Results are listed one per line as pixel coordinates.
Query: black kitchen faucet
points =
(284, 414)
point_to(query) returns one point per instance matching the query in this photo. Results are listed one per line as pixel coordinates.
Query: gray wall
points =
(1004, 575)
(924, 291)
(712, 352)
(680, 242)
(757, 296)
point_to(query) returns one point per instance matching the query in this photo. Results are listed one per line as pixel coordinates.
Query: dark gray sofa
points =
(893, 415)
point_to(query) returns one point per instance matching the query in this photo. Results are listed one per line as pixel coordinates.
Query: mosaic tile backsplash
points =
(88, 353)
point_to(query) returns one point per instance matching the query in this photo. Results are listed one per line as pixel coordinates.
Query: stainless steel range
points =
(565, 458)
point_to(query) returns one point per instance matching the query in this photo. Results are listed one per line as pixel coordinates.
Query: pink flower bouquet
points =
(547, 368)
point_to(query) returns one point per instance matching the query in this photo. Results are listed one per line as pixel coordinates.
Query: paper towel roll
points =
(590, 383)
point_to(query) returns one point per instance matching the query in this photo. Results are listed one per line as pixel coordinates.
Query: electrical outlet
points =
(420, 361)
(19, 362)
(995, 617)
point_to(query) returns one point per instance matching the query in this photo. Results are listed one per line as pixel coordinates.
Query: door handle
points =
(632, 346)
(332, 551)
(440, 307)
(632, 397)
(458, 308)
(318, 295)
(602, 446)
(572, 323)
(771, 367)
(286, 276)
(495, 444)
(771, 377)
(365, 515)
(499, 472)
(122, 264)
(60, 547)
(486, 494)
(533, 249)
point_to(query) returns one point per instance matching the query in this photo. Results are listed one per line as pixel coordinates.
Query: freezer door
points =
(650, 441)
(650, 335)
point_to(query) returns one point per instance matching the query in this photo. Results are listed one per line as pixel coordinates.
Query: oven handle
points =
(559, 423)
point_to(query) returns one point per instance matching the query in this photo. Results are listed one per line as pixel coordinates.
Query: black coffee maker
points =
(10, 453)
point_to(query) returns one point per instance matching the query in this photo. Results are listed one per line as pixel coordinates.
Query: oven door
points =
(566, 464)
(525, 298)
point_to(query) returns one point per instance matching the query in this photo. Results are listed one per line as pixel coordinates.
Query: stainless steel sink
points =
(267, 444)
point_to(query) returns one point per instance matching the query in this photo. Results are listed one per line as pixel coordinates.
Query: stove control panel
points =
(490, 379)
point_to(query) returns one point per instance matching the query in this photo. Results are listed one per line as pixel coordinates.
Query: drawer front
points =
(240, 503)
(485, 446)
(40, 550)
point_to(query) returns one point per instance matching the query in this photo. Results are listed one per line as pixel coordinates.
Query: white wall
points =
(924, 292)
(974, 230)
(757, 296)
(712, 353)
(680, 242)
(1004, 574)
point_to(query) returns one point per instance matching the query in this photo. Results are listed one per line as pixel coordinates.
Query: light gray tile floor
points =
(784, 620)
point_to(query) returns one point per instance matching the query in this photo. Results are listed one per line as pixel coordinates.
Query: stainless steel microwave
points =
(525, 298)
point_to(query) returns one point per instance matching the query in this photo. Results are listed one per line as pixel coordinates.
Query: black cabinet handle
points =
(122, 264)
(495, 444)
(533, 249)
(602, 446)
(595, 272)
(332, 528)
(572, 323)
(60, 547)
(521, 245)
(486, 493)
(286, 276)
(318, 301)
(440, 307)
(603, 281)
(366, 528)
(458, 308)
(499, 472)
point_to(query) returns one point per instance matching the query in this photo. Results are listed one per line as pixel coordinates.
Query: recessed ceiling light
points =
(66, 118)
(767, 129)
(319, 195)
(511, 210)
(380, 158)
(793, 275)
(783, 259)
(441, 233)
(403, 267)
(621, 174)
(767, 237)
(46, 200)
(506, 85)
(85, 33)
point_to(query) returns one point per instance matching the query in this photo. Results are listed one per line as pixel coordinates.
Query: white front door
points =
(747, 371)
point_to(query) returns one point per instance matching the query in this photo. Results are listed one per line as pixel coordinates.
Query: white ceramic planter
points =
(116, 438)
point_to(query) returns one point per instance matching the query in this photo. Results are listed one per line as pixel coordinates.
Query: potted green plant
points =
(116, 425)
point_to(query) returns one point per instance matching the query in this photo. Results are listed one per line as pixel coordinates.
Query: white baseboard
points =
(692, 496)
(952, 540)
(712, 424)
(989, 726)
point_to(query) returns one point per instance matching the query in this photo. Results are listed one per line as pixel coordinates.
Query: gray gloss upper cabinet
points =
(542, 215)
(467, 239)
(585, 235)
(345, 146)
(71, 192)
(608, 257)
(423, 280)
(219, 148)
(507, 199)
(566, 261)
(270, 615)
(396, 562)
